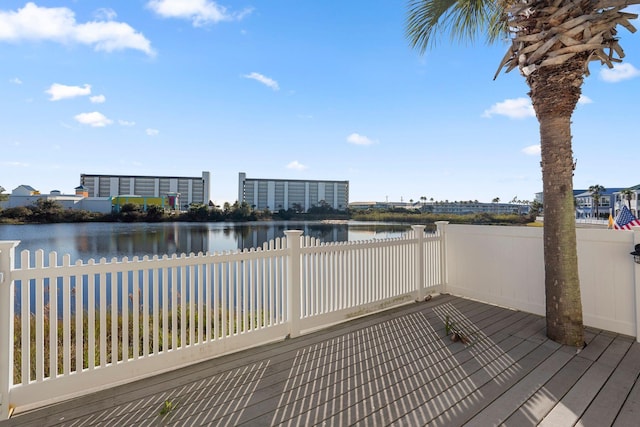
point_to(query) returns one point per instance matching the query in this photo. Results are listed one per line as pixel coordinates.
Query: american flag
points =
(625, 220)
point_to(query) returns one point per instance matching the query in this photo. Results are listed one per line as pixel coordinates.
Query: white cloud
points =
(532, 150)
(264, 80)
(94, 119)
(112, 36)
(15, 81)
(584, 100)
(519, 108)
(152, 132)
(296, 165)
(58, 91)
(98, 99)
(357, 139)
(200, 12)
(59, 24)
(126, 123)
(619, 73)
(105, 14)
(15, 164)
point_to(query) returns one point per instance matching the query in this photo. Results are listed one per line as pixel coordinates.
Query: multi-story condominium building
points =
(188, 189)
(610, 202)
(276, 194)
(629, 199)
(586, 206)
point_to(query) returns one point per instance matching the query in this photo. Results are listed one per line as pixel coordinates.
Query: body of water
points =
(84, 241)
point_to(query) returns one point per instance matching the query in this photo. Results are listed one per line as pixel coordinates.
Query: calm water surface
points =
(86, 241)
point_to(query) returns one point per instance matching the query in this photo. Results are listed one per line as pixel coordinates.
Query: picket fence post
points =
(7, 256)
(441, 227)
(293, 282)
(418, 234)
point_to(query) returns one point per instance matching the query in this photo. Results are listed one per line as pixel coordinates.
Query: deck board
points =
(604, 409)
(630, 411)
(392, 368)
(503, 406)
(584, 391)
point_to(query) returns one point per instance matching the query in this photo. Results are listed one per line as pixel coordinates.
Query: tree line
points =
(45, 211)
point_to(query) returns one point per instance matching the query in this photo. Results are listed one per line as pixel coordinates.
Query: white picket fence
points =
(70, 328)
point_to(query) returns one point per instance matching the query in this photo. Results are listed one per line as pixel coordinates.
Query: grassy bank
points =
(115, 343)
(428, 218)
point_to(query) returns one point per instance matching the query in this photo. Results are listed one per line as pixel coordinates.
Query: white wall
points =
(505, 266)
(96, 204)
(93, 204)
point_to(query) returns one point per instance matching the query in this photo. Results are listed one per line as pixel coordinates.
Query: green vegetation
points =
(231, 326)
(454, 332)
(46, 211)
(417, 217)
(596, 191)
(167, 406)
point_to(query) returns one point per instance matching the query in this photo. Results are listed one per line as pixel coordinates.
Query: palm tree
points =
(551, 43)
(596, 193)
(628, 196)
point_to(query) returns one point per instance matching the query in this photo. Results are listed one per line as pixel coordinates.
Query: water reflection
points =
(97, 240)
(252, 236)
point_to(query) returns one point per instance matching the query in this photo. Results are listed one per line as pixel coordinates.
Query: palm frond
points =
(463, 20)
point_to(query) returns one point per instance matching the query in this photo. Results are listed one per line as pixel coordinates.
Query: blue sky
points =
(285, 89)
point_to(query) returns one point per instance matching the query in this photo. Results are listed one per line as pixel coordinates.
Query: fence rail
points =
(67, 328)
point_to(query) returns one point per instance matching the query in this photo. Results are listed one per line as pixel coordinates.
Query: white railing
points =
(70, 328)
(592, 221)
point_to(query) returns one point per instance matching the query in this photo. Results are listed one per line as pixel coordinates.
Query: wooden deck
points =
(393, 368)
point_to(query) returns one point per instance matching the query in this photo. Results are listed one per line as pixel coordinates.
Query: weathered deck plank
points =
(630, 411)
(584, 391)
(604, 409)
(530, 412)
(391, 368)
(502, 407)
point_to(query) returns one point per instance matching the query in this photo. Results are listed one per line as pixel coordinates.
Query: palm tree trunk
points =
(562, 285)
(554, 94)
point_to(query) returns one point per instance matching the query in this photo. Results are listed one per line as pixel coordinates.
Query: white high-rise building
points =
(190, 189)
(276, 194)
